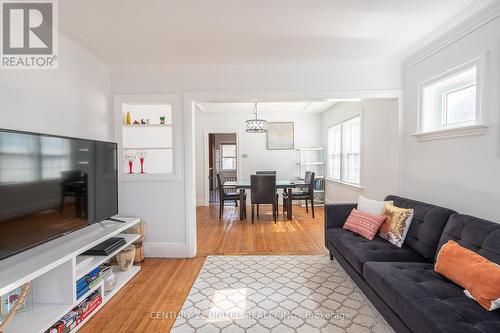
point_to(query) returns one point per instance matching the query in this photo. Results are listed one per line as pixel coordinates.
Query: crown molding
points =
(470, 19)
(82, 41)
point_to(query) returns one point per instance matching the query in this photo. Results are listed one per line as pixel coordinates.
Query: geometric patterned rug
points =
(277, 294)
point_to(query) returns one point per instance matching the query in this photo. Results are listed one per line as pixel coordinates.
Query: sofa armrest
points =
(337, 214)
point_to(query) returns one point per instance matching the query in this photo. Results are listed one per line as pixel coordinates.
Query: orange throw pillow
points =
(479, 276)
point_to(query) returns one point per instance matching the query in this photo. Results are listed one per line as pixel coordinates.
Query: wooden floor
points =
(151, 300)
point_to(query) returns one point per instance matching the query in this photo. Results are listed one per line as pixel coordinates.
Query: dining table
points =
(286, 185)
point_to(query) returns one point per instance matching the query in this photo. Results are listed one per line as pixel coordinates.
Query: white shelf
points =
(147, 148)
(147, 125)
(121, 280)
(80, 325)
(311, 163)
(98, 260)
(312, 159)
(310, 149)
(28, 265)
(39, 319)
(51, 267)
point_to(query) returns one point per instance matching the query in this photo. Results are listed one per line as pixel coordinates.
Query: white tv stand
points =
(52, 269)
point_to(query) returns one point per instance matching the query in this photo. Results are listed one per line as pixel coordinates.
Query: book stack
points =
(78, 314)
(88, 282)
(89, 305)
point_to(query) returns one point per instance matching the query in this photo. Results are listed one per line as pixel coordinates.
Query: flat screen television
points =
(51, 186)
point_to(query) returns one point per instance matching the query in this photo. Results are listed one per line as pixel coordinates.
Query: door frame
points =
(193, 97)
(206, 152)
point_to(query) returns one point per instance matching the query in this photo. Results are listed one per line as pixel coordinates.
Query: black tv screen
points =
(51, 186)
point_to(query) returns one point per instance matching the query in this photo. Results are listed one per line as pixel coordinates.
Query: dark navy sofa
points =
(401, 282)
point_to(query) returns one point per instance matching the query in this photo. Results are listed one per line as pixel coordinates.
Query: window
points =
(344, 151)
(228, 156)
(451, 100)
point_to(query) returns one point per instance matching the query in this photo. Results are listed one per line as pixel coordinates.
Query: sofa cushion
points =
(426, 227)
(427, 301)
(478, 235)
(358, 250)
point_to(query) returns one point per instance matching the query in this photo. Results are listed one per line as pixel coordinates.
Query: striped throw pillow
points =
(364, 224)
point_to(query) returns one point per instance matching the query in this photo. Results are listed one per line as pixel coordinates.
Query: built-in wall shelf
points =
(146, 148)
(52, 270)
(310, 149)
(146, 125)
(311, 163)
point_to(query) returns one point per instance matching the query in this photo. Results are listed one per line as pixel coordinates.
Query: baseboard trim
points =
(201, 202)
(164, 250)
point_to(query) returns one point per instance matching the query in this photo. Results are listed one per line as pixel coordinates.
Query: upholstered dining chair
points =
(263, 191)
(225, 195)
(264, 173)
(306, 195)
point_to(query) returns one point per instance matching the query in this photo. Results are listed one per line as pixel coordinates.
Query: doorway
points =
(223, 160)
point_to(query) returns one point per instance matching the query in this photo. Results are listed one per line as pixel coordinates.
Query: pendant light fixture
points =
(256, 125)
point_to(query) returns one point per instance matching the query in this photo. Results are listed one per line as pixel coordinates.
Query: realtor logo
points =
(29, 34)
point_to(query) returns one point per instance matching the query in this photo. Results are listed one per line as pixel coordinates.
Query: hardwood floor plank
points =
(150, 301)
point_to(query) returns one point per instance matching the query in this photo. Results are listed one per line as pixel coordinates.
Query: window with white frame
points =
(228, 156)
(344, 151)
(451, 100)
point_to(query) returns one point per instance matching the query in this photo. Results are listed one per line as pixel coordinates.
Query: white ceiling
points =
(164, 32)
(266, 107)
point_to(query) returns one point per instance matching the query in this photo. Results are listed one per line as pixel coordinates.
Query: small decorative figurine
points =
(128, 120)
(136, 122)
(143, 122)
(162, 120)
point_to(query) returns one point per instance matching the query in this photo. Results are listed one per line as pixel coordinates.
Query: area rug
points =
(277, 294)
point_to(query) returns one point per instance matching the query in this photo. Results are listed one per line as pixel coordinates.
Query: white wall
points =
(380, 149)
(306, 127)
(73, 100)
(460, 173)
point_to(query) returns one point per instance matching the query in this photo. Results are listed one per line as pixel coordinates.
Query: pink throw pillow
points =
(364, 224)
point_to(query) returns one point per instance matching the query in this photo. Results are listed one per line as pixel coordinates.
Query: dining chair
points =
(263, 191)
(306, 195)
(225, 195)
(264, 173)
